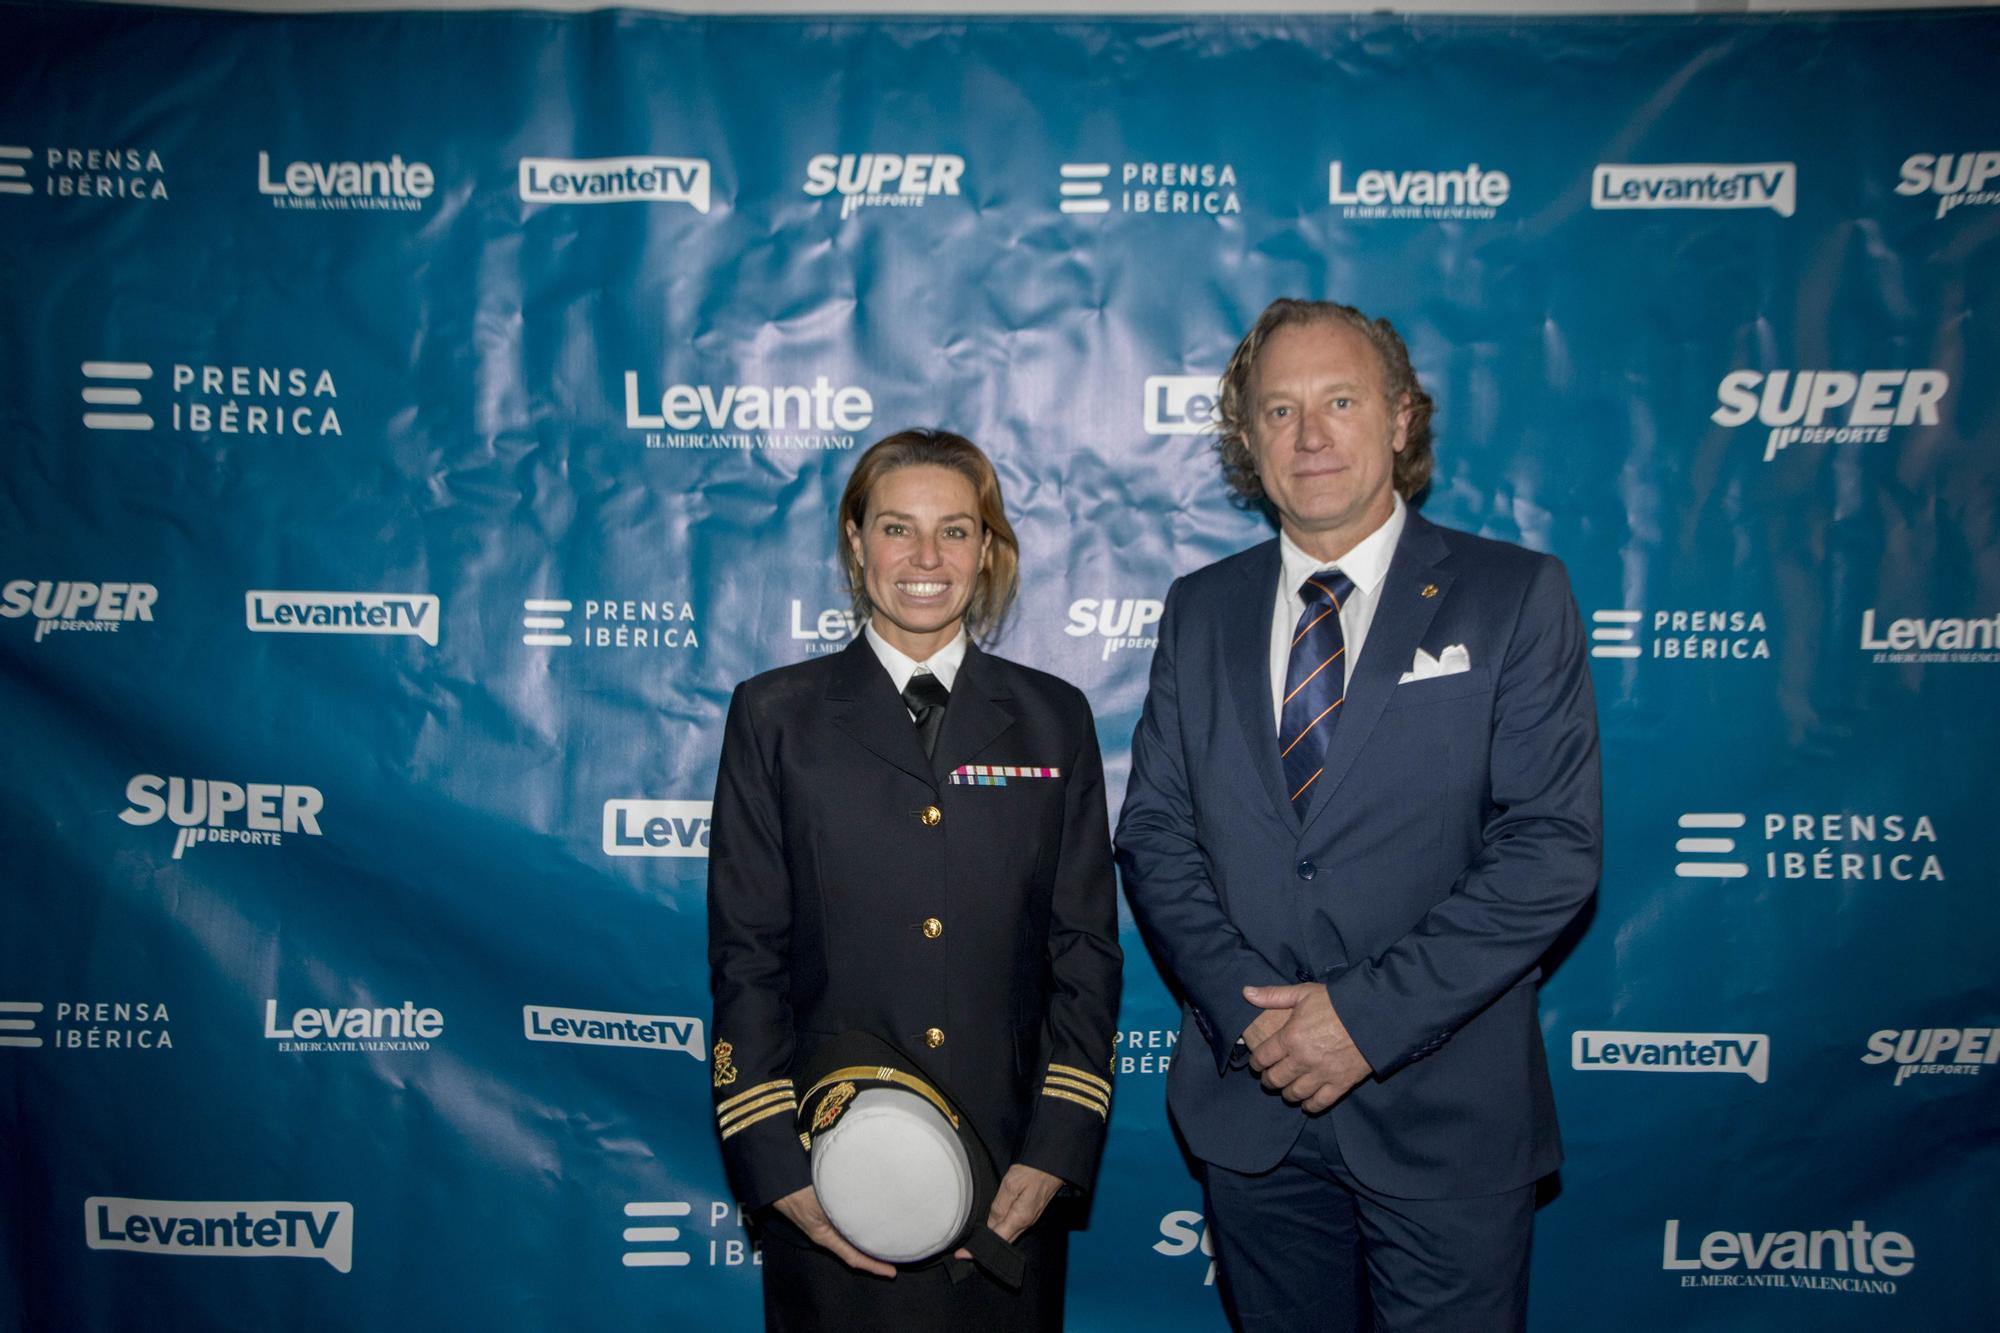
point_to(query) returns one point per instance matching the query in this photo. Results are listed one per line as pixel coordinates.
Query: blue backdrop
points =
(526, 355)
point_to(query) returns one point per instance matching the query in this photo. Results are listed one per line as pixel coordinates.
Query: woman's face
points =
(920, 547)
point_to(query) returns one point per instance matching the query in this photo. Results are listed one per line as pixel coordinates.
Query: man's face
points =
(920, 549)
(1325, 435)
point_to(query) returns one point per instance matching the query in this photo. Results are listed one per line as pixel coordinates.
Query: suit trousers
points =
(1305, 1245)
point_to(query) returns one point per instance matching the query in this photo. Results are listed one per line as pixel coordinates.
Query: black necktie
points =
(925, 696)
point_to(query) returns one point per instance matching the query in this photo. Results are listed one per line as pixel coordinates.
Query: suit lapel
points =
(865, 705)
(975, 718)
(1402, 615)
(1245, 628)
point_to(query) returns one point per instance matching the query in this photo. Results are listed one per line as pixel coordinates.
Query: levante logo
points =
(1461, 193)
(392, 186)
(402, 1027)
(1851, 1259)
(749, 416)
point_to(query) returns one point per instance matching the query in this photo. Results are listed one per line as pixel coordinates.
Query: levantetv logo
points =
(1956, 179)
(598, 1027)
(60, 606)
(1828, 406)
(1925, 1051)
(269, 611)
(1812, 1260)
(203, 810)
(1772, 185)
(641, 827)
(616, 180)
(237, 1229)
(1672, 1053)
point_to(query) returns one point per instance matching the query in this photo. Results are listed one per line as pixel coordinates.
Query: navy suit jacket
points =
(1455, 832)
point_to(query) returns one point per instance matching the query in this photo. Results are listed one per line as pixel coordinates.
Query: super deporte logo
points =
(639, 826)
(240, 1229)
(1828, 406)
(1955, 179)
(210, 810)
(882, 180)
(1121, 622)
(1922, 1052)
(61, 606)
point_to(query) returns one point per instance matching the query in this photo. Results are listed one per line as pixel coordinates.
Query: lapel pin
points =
(1430, 590)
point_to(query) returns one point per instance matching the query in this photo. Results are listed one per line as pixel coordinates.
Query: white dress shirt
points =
(1367, 565)
(943, 663)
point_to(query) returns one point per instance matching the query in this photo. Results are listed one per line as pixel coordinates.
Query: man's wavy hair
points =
(999, 573)
(1399, 381)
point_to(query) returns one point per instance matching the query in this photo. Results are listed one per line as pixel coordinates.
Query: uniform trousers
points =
(1306, 1245)
(807, 1290)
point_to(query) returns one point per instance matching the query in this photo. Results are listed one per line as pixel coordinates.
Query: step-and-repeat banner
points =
(415, 424)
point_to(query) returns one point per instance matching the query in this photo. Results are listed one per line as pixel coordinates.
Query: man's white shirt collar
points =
(1367, 564)
(944, 663)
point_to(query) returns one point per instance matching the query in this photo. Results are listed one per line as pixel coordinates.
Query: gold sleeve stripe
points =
(746, 1095)
(1065, 1081)
(1066, 1096)
(785, 1107)
(774, 1099)
(1074, 1072)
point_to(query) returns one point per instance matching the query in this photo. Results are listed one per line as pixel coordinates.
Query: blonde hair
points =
(999, 572)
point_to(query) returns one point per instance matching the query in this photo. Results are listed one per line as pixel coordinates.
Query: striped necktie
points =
(1315, 683)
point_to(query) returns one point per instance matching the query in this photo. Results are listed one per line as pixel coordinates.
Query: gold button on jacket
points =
(934, 1038)
(932, 927)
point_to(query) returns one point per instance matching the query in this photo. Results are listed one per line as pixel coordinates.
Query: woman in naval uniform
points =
(864, 877)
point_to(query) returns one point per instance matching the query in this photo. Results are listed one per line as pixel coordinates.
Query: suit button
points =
(932, 927)
(1304, 975)
(1307, 870)
(931, 815)
(934, 1037)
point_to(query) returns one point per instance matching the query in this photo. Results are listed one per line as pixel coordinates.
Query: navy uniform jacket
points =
(1455, 832)
(853, 886)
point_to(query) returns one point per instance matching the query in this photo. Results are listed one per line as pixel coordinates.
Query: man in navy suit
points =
(1363, 803)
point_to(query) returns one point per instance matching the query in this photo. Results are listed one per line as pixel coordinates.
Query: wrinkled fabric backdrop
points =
(415, 424)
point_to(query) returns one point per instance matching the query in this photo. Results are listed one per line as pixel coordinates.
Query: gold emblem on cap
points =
(934, 1037)
(932, 927)
(931, 815)
(1430, 590)
(725, 1072)
(831, 1105)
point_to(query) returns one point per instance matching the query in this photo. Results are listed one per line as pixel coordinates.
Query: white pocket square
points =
(1447, 663)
